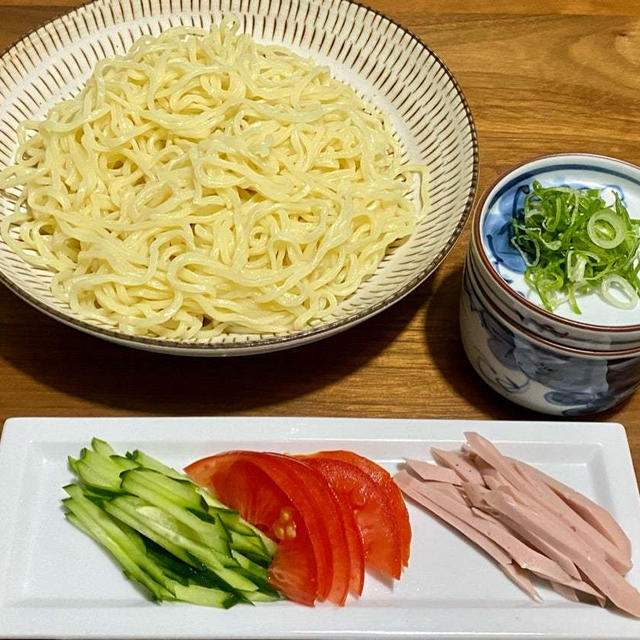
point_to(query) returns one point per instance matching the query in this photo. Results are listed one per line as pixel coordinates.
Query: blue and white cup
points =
(561, 363)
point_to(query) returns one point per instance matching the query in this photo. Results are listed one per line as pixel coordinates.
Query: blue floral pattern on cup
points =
(543, 379)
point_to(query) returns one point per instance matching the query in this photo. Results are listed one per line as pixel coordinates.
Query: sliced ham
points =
(522, 554)
(600, 574)
(433, 472)
(453, 491)
(520, 577)
(411, 487)
(565, 592)
(541, 494)
(591, 512)
(547, 498)
(475, 494)
(575, 582)
(526, 521)
(459, 463)
(490, 454)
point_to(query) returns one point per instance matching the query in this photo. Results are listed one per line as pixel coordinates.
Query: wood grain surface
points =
(540, 77)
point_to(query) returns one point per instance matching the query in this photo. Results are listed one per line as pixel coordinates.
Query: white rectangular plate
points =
(56, 582)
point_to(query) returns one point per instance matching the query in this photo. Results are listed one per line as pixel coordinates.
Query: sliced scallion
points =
(575, 243)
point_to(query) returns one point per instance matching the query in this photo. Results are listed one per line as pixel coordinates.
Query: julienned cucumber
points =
(168, 534)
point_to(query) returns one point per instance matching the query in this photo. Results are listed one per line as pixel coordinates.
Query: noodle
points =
(205, 184)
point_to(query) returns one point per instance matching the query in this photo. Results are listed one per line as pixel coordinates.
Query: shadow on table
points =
(442, 335)
(129, 379)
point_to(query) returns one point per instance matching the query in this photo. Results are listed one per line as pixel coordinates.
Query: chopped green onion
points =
(574, 244)
(605, 229)
(615, 282)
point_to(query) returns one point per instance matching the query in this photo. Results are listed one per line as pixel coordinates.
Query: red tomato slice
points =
(245, 487)
(309, 496)
(370, 506)
(383, 479)
(338, 479)
(327, 506)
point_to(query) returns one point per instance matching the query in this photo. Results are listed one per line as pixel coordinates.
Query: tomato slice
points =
(383, 479)
(245, 487)
(327, 507)
(369, 505)
(306, 496)
(338, 479)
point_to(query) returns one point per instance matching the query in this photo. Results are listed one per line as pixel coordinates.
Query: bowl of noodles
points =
(226, 180)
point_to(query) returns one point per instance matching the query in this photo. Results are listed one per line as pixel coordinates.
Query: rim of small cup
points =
(480, 212)
(533, 337)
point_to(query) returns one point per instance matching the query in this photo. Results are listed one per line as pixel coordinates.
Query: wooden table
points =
(540, 76)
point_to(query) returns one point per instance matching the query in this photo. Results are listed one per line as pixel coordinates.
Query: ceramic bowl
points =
(536, 373)
(600, 327)
(379, 59)
(561, 363)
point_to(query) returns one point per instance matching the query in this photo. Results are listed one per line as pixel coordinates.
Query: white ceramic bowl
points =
(380, 59)
(558, 363)
(600, 326)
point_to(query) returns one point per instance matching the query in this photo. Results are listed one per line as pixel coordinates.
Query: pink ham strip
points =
(452, 491)
(574, 583)
(545, 499)
(433, 472)
(591, 512)
(613, 555)
(414, 489)
(477, 495)
(480, 508)
(521, 578)
(488, 472)
(603, 577)
(545, 547)
(523, 555)
(553, 553)
(411, 487)
(459, 463)
(565, 592)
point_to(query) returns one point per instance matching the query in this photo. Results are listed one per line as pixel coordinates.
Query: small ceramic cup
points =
(560, 363)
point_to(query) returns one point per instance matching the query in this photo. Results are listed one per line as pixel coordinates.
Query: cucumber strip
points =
(210, 499)
(250, 546)
(99, 495)
(170, 535)
(168, 529)
(186, 574)
(208, 597)
(259, 596)
(101, 447)
(233, 521)
(181, 494)
(126, 537)
(73, 464)
(211, 534)
(143, 460)
(97, 471)
(172, 567)
(133, 519)
(97, 479)
(130, 567)
(124, 463)
(102, 464)
(77, 523)
(255, 569)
